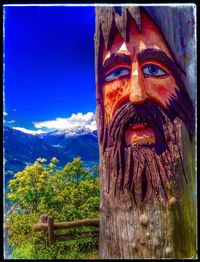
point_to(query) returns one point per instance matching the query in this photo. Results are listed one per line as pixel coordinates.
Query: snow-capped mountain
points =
(76, 131)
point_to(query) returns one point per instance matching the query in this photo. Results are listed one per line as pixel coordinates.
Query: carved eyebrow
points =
(147, 54)
(114, 59)
(160, 56)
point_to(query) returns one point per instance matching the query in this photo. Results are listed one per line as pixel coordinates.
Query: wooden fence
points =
(48, 227)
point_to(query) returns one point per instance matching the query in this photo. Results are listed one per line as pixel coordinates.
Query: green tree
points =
(72, 193)
(28, 186)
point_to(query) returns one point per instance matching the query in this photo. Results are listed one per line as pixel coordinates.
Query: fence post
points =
(51, 229)
(43, 219)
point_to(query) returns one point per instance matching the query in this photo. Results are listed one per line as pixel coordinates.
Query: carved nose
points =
(137, 88)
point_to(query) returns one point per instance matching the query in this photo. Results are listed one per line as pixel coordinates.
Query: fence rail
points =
(48, 227)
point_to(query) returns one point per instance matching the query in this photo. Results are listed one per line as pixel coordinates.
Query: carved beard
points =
(144, 169)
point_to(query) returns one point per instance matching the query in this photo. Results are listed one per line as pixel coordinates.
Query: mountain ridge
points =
(21, 148)
(68, 131)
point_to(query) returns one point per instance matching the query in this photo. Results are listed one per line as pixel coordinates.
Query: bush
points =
(20, 228)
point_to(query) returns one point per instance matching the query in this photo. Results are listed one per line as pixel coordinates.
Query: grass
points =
(93, 254)
(59, 250)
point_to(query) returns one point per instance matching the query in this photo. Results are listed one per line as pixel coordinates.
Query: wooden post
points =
(51, 230)
(44, 219)
(136, 220)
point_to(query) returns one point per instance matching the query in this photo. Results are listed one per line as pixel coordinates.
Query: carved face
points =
(144, 105)
(137, 71)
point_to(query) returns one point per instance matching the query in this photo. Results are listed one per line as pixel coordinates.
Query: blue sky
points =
(49, 77)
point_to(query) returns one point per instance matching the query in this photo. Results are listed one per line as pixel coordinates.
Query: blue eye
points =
(153, 70)
(117, 73)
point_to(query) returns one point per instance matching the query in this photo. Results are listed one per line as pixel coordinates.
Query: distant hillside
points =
(75, 142)
(21, 149)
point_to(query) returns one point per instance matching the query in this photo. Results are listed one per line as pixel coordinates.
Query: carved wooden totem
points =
(146, 126)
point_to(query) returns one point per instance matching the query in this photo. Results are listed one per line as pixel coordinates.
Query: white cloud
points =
(32, 132)
(75, 120)
(5, 113)
(10, 121)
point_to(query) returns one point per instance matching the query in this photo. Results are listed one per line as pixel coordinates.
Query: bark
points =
(154, 229)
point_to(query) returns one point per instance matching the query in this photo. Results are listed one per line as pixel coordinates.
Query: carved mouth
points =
(139, 132)
(137, 126)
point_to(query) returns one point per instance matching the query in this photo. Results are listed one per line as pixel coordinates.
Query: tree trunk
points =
(155, 229)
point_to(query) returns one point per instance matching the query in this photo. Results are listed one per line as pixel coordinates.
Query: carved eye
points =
(116, 74)
(153, 70)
